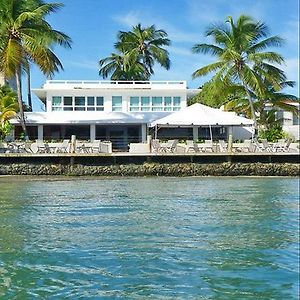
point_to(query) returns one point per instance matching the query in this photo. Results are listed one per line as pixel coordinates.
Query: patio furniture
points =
(3, 147)
(156, 146)
(207, 146)
(64, 147)
(264, 146)
(95, 146)
(282, 145)
(42, 147)
(170, 146)
(192, 146)
(26, 148)
(222, 146)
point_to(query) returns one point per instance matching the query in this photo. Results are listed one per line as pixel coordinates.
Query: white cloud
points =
(292, 69)
(128, 20)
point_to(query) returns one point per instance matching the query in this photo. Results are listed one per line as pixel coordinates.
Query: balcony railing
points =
(81, 84)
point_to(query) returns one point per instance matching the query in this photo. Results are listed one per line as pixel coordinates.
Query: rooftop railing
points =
(114, 84)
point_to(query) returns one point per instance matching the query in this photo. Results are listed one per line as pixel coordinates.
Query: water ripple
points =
(149, 238)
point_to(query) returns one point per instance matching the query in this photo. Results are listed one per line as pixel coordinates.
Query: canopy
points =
(201, 115)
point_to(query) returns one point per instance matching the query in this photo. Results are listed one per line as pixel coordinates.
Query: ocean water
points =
(149, 238)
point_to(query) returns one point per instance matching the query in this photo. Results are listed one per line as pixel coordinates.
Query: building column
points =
(40, 132)
(92, 132)
(195, 133)
(144, 133)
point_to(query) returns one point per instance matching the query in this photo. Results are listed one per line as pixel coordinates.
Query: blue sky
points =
(93, 25)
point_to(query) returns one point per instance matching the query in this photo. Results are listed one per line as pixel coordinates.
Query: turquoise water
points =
(149, 238)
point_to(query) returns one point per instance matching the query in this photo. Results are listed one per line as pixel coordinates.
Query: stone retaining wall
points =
(154, 169)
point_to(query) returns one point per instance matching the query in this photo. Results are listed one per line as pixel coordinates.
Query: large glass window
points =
(90, 103)
(116, 103)
(157, 104)
(100, 103)
(68, 101)
(176, 103)
(134, 103)
(80, 103)
(56, 103)
(167, 103)
(145, 103)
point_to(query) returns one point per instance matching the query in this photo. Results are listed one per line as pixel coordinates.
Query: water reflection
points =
(141, 238)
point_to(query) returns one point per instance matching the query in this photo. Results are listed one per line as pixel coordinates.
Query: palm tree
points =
(242, 60)
(121, 67)
(271, 100)
(8, 104)
(137, 51)
(26, 37)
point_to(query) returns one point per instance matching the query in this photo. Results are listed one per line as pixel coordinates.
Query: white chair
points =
(170, 146)
(41, 147)
(222, 146)
(192, 146)
(156, 146)
(64, 147)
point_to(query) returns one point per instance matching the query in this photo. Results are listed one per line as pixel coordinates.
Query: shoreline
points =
(154, 169)
(124, 164)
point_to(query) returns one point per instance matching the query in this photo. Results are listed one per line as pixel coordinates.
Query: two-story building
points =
(118, 111)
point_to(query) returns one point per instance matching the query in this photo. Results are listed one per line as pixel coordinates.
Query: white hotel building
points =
(118, 111)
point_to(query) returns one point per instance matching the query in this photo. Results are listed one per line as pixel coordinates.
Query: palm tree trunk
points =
(20, 102)
(251, 108)
(29, 88)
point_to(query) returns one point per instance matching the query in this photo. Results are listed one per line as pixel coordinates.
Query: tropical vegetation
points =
(26, 37)
(136, 53)
(244, 66)
(8, 109)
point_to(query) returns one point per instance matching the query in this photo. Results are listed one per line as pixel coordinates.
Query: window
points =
(90, 103)
(68, 101)
(116, 103)
(99, 103)
(176, 103)
(167, 103)
(56, 103)
(145, 103)
(134, 103)
(157, 104)
(80, 103)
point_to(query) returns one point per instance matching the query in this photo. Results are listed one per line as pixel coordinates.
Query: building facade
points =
(118, 111)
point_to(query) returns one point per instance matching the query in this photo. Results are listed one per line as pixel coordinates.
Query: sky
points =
(93, 26)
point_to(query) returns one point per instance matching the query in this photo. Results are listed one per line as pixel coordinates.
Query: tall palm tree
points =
(137, 51)
(239, 47)
(146, 44)
(26, 36)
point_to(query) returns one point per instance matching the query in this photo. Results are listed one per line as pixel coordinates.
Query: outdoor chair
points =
(64, 147)
(263, 146)
(222, 146)
(282, 145)
(156, 146)
(26, 148)
(170, 147)
(41, 147)
(192, 146)
(207, 146)
(95, 146)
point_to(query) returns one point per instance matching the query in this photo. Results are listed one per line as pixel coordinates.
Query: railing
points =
(115, 84)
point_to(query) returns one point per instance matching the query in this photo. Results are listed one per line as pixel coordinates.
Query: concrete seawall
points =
(123, 164)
